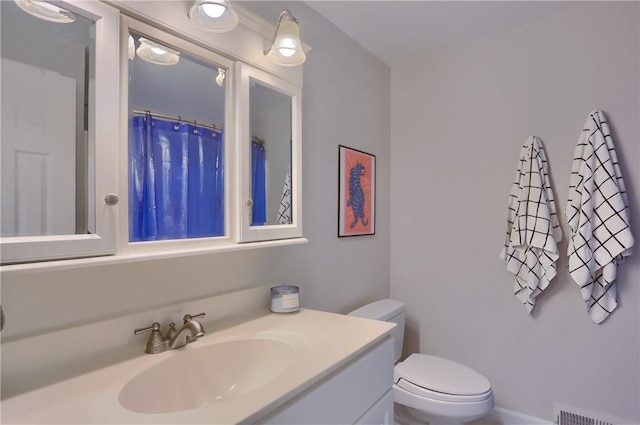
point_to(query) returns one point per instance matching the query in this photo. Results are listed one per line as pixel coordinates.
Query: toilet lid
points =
(441, 375)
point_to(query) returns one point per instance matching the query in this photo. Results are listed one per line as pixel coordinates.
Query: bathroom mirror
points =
(47, 75)
(176, 146)
(270, 121)
(269, 118)
(59, 130)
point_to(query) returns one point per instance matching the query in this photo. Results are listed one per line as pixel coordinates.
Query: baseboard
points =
(502, 416)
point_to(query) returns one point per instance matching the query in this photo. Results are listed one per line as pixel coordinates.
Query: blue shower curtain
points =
(176, 180)
(258, 189)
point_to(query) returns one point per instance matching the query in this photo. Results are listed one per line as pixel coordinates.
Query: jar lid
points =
(285, 289)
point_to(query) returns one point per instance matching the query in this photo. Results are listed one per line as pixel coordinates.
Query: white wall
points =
(345, 100)
(458, 121)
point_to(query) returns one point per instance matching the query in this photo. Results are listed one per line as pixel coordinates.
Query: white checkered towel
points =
(284, 209)
(533, 231)
(598, 216)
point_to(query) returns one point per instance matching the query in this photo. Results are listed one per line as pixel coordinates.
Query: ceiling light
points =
(45, 10)
(213, 15)
(213, 10)
(286, 48)
(156, 53)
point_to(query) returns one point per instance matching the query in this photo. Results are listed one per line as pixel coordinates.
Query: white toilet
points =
(430, 388)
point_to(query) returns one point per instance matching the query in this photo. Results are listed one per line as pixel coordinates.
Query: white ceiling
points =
(395, 30)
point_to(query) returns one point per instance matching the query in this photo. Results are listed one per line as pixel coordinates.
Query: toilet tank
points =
(388, 311)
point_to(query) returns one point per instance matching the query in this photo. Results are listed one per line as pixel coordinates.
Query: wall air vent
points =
(569, 415)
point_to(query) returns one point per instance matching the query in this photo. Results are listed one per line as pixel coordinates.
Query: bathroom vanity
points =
(308, 367)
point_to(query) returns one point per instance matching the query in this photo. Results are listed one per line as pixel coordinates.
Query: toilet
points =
(431, 389)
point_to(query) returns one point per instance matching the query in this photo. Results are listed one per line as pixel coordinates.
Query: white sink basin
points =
(239, 374)
(205, 375)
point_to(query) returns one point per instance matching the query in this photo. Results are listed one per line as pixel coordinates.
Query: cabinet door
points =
(380, 413)
(59, 132)
(180, 129)
(269, 115)
(359, 393)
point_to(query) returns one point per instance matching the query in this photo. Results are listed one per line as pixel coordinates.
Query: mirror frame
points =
(246, 232)
(104, 131)
(245, 45)
(188, 46)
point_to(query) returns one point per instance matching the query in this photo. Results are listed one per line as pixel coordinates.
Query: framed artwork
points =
(356, 192)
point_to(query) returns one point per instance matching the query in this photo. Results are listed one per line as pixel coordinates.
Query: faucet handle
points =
(156, 343)
(171, 333)
(154, 327)
(189, 317)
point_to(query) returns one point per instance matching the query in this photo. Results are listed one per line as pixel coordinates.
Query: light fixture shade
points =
(213, 15)
(156, 53)
(47, 11)
(286, 48)
(131, 48)
(220, 77)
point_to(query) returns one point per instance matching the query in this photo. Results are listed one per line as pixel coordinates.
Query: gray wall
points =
(349, 105)
(458, 121)
(345, 100)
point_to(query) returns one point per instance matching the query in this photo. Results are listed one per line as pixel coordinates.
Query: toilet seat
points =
(434, 395)
(441, 379)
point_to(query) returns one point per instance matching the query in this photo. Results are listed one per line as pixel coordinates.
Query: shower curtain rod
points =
(177, 119)
(259, 140)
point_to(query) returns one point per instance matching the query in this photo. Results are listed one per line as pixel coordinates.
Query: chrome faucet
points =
(191, 330)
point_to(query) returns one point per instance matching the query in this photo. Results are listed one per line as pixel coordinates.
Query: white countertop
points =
(323, 342)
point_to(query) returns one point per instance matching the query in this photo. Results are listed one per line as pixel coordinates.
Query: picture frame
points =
(356, 192)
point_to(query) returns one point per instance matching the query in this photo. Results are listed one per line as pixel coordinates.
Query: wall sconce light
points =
(45, 10)
(213, 15)
(156, 53)
(286, 47)
(220, 77)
